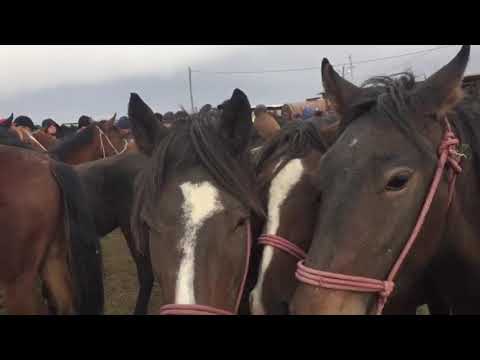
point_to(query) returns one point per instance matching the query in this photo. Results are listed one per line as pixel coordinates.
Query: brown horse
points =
(99, 140)
(285, 170)
(48, 141)
(374, 182)
(47, 235)
(193, 205)
(39, 140)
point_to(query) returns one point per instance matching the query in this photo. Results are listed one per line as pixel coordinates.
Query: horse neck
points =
(84, 153)
(455, 267)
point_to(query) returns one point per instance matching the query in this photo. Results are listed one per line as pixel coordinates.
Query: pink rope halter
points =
(282, 244)
(448, 155)
(195, 309)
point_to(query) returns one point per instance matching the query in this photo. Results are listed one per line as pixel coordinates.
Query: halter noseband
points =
(102, 135)
(448, 155)
(195, 309)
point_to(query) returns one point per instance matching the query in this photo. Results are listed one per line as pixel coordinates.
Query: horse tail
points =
(84, 250)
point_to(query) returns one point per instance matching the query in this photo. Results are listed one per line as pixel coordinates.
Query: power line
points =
(350, 64)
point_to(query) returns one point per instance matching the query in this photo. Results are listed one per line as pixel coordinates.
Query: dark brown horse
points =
(194, 203)
(374, 181)
(109, 186)
(99, 140)
(47, 235)
(285, 168)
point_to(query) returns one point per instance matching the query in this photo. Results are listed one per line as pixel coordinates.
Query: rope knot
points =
(388, 287)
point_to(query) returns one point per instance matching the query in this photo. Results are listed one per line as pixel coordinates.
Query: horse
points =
(285, 167)
(39, 140)
(47, 235)
(7, 122)
(194, 203)
(399, 197)
(99, 140)
(109, 186)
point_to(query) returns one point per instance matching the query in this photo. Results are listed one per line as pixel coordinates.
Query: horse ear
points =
(340, 92)
(111, 123)
(236, 121)
(10, 118)
(146, 129)
(443, 90)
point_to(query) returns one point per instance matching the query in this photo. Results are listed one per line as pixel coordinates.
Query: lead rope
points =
(447, 155)
(101, 134)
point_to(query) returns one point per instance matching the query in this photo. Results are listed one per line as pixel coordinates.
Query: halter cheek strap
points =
(195, 309)
(448, 155)
(102, 146)
(283, 244)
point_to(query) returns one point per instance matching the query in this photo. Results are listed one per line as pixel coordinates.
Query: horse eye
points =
(398, 182)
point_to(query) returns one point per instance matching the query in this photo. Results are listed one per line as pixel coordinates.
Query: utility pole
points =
(190, 88)
(343, 71)
(351, 66)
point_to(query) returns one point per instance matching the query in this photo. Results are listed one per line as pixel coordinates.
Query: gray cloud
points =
(65, 82)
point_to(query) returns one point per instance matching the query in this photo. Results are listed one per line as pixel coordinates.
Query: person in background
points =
(50, 127)
(308, 113)
(7, 122)
(84, 121)
(168, 119)
(265, 123)
(24, 122)
(124, 125)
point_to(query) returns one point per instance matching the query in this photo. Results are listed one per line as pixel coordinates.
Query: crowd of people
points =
(52, 128)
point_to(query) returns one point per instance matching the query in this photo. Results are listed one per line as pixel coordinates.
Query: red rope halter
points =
(282, 244)
(448, 155)
(195, 309)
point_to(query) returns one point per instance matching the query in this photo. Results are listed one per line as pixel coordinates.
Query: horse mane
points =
(192, 141)
(393, 98)
(63, 148)
(8, 138)
(295, 140)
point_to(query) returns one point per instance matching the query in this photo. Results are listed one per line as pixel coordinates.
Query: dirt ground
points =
(121, 279)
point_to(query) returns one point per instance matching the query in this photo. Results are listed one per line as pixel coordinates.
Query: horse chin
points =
(314, 301)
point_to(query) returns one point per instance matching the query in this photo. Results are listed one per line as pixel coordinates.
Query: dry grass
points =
(121, 286)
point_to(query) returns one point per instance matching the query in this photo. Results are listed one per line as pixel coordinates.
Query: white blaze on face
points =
(201, 202)
(280, 187)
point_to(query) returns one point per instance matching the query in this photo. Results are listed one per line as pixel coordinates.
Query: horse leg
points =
(144, 274)
(57, 279)
(22, 297)
(145, 280)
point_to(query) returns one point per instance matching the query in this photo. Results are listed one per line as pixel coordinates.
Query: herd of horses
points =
(368, 209)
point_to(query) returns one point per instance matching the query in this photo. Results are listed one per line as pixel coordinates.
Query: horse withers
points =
(194, 203)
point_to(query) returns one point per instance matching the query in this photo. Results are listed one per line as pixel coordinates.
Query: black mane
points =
(194, 141)
(295, 140)
(394, 99)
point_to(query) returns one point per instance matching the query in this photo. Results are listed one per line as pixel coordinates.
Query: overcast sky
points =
(64, 82)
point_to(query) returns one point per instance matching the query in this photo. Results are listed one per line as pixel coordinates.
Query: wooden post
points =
(190, 88)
